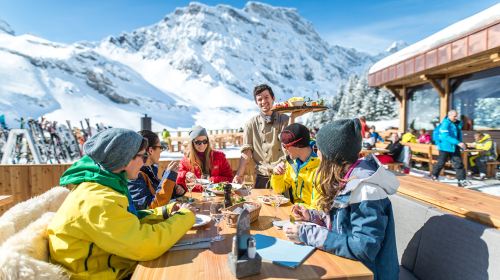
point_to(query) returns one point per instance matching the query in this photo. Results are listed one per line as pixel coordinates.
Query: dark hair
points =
(144, 144)
(150, 136)
(260, 88)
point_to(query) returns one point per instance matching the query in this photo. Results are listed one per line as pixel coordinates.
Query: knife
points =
(192, 242)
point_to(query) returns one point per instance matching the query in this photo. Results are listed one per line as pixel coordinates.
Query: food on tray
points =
(281, 105)
(296, 101)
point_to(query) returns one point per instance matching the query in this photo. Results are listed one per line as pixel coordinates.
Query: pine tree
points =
(386, 106)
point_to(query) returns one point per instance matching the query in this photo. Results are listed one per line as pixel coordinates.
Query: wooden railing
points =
(25, 181)
(219, 139)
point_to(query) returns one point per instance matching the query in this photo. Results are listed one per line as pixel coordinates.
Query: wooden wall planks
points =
(26, 181)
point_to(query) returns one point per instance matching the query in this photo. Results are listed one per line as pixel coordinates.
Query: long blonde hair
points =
(331, 176)
(194, 160)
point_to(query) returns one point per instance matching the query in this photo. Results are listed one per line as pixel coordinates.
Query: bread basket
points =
(297, 103)
(232, 218)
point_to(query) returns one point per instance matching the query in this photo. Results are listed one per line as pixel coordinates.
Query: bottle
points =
(252, 248)
(235, 246)
(227, 195)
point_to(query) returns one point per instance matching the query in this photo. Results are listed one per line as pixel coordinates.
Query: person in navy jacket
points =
(356, 220)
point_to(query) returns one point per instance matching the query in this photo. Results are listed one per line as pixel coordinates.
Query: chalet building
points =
(455, 68)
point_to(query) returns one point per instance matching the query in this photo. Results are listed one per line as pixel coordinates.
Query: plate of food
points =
(181, 199)
(218, 188)
(201, 220)
(272, 199)
(203, 181)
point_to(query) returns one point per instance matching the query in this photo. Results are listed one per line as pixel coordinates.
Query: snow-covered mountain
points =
(5, 28)
(197, 65)
(73, 82)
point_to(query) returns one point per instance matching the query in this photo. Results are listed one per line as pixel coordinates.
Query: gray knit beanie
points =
(113, 148)
(197, 131)
(340, 140)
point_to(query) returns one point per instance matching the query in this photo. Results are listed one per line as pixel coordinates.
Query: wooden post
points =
(179, 142)
(444, 100)
(402, 109)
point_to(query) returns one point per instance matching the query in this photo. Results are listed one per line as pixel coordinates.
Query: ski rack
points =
(10, 146)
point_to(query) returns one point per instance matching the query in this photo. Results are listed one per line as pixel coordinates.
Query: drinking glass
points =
(247, 184)
(190, 185)
(204, 185)
(276, 202)
(216, 214)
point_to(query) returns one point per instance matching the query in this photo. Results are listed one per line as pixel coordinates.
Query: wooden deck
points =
(474, 205)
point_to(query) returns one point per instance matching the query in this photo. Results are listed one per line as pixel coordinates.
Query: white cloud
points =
(364, 42)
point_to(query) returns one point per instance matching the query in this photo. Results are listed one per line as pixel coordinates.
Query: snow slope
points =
(198, 65)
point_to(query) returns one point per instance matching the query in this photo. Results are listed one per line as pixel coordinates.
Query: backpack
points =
(435, 134)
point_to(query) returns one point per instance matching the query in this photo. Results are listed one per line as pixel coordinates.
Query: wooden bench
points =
(387, 133)
(395, 166)
(491, 168)
(421, 153)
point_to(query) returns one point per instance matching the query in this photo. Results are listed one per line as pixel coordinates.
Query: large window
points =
(476, 97)
(422, 108)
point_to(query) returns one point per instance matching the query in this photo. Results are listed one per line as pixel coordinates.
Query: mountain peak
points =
(396, 46)
(5, 28)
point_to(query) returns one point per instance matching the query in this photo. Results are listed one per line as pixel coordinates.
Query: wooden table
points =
(465, 156)
(365, 152)
(6, 200)
(212, 263)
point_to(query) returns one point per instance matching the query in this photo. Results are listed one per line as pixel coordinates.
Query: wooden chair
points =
(421, 153)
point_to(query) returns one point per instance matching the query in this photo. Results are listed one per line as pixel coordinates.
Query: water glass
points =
(276, 202)
(203, 182)
(248, 185)
(217, 216)
(190, 185)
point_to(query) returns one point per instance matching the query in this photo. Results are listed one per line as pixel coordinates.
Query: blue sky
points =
(369, 26)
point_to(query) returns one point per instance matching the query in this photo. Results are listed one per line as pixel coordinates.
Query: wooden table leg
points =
(465, 160)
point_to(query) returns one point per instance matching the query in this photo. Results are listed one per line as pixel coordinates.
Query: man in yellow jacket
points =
(477, 162)
(298, 174)
(409, 136)
(97, 233)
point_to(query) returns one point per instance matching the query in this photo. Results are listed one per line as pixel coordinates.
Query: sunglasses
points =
(162, 148)
(144, 157)
(198, 142)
